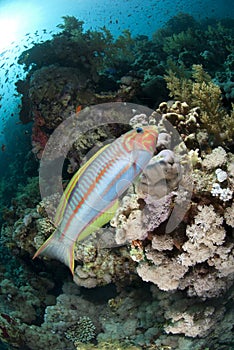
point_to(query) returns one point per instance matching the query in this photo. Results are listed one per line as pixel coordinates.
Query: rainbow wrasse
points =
(91, 197)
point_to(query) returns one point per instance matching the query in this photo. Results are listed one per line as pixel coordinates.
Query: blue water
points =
(140, 17)
(23, 23)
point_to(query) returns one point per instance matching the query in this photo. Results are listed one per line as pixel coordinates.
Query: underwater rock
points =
(161, 176)
(101, 266)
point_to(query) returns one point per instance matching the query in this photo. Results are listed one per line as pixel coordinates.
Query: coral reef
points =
(107, 345)
(195, 259)
(198, 257)
(138, 283)
(129, 69)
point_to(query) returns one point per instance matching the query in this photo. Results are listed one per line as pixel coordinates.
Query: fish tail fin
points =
(59, 249)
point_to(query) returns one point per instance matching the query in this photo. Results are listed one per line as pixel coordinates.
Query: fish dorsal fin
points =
(66, 194)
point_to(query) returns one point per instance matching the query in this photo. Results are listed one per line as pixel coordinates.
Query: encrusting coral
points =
(161, 175)
(101, 265)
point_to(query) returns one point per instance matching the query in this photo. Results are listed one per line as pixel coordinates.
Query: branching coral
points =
(199, 90)
(165, 273)
(183, 41)
(204, 237)
(229, 215)
(172, 261)
(215, 159)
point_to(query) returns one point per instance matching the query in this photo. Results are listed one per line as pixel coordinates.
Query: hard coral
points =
(82, 331)
(128, 220)
(215, 159)
(229, 215)
(204, 237)
(165, 273)
(197, 323)
(200, 90)
(197, 255)
(9, 330)
(156, 211)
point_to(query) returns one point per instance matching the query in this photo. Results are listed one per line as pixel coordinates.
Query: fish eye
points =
(139, 130)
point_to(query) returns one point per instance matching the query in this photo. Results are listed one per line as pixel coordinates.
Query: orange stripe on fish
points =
(91, 188)
(71, 185)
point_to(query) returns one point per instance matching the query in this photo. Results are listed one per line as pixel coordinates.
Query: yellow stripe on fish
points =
(91, 197)
(70, 186)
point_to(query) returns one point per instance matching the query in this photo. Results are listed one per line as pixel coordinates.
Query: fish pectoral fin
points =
(100, 220)
(59, 249)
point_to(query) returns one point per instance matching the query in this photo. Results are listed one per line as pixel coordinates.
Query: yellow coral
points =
(200, 90)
